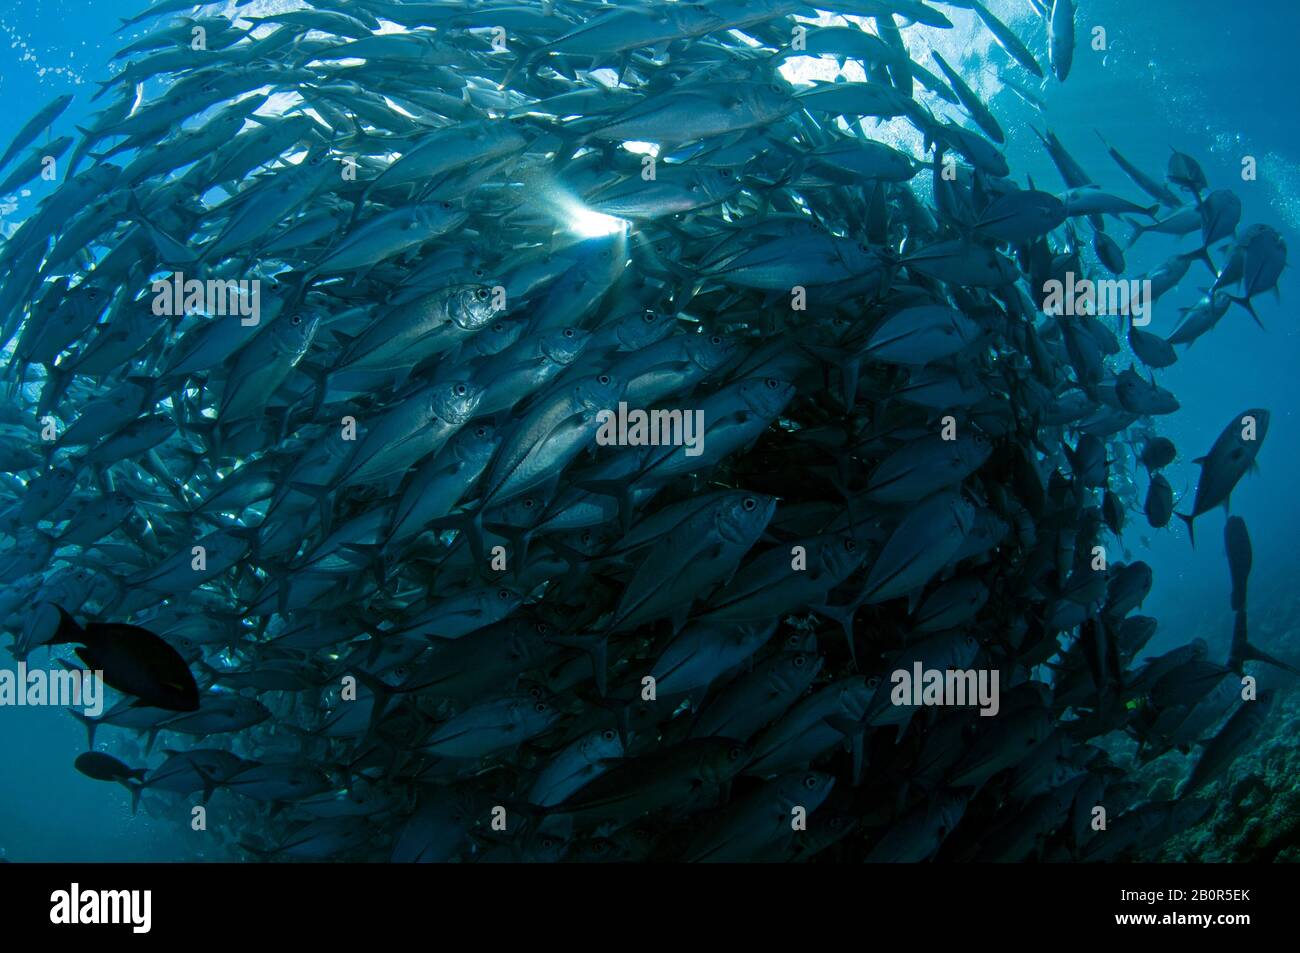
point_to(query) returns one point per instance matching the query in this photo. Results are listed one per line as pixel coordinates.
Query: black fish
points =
(133, 660)
(104, 767)
(1159, 504)
(1237, 543)
(1221, 750)
(1158, 453)
(1242, 651)
(1231, 457)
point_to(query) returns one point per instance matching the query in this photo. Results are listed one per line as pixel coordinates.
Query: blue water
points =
(1215, 80)
(49, 811)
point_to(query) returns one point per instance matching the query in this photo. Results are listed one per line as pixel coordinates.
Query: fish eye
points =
(734, 754)
(503, 594)
(586, 536)
(480, 432)
(541, 627)
(850, 546)
(649, 317)
(461, 390)
(749, 504)
(799, 661)
(568, 332)
(725, 173)
(529, 503)
(715, 339)
(609, 734)
(547, 843)
(481, 294)
(539, 707)
(773, 383)
(810, 782)
(873, 681)
(446, 206)
(296, 320)
(535, 692)
(603, 379)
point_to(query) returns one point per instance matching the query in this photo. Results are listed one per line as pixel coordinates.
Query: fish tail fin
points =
(620, 490)
(382, 693)
(134, 209)
(1250, 309)
(473, 527)
(597, 647)
(90, 723)
(1191, 532)
(519, 540)
(56, 384)
(527, 62)
(1203, 254)
(261, 853)
(136, 790)
(1138, 230)
(468, 526)
(359, 205)
(324, 496)
(1250, 653)
(575, 559)
(844, 616)
(68, 630)
(533, 814)
(299, 292)
(320, 378)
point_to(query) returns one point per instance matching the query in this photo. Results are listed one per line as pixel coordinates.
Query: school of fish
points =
(364, 580)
